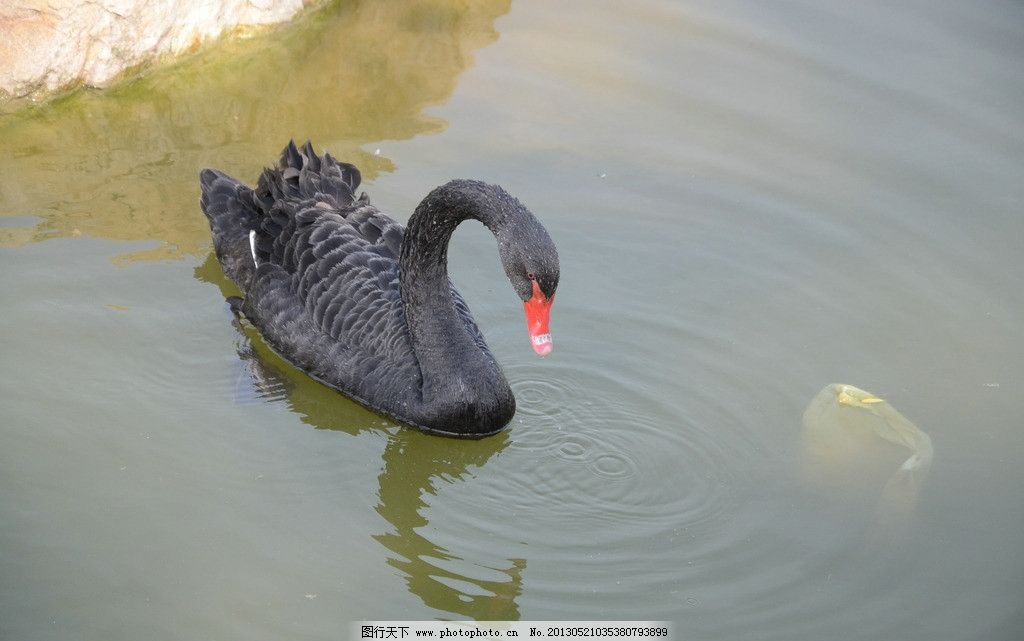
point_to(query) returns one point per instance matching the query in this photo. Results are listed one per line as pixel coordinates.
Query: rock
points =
(51, 45)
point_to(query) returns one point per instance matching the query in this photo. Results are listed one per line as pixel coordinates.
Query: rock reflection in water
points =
(122, 163)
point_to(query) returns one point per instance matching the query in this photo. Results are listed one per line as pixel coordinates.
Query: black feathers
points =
(327, 294)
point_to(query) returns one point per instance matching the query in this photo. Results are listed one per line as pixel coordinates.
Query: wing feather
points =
(326, 289)
(340, 252)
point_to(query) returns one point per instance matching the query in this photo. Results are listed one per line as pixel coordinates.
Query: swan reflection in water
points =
(856, 443)
(415, 465)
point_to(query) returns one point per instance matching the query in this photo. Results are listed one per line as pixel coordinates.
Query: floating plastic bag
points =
(856, 443)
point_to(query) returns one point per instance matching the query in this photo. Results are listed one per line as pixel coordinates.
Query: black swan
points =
(365, 306)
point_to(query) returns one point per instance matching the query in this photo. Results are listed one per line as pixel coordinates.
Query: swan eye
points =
(531, 276)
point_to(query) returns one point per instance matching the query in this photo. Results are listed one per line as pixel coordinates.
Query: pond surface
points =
(752, 202)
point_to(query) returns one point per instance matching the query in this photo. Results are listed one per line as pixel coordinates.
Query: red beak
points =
(538, 310)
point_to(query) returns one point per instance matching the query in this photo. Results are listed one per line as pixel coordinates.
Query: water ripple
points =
(617, 463)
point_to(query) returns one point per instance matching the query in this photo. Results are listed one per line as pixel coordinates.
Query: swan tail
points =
(233, 214)
(253, 226)
(292, 195)
(302, 175)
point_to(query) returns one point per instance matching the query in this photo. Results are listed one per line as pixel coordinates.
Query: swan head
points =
(531, 264)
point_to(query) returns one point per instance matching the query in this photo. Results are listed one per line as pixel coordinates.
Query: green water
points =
(751, 202)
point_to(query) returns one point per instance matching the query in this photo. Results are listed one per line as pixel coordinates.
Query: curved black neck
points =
(451, 363)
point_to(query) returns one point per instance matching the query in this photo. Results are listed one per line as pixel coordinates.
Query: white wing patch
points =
(252, 246)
